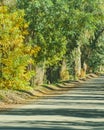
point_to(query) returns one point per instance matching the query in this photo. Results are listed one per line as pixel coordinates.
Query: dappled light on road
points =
(82, 108)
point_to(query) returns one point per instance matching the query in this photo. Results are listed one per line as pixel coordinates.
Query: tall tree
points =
(14, 54)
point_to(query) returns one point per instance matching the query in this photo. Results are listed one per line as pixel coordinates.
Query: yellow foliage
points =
(3, 9)
(64, 75)
(14, 60)
(33, 51)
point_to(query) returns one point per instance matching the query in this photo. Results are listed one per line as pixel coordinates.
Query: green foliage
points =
(60, 26)
(45, 29)
(55, 29)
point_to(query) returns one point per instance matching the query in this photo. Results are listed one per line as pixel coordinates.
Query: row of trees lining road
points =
(50, 40)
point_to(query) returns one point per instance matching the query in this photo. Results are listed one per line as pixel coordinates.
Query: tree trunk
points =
(64, 74)
(39, 76)
(77, 62)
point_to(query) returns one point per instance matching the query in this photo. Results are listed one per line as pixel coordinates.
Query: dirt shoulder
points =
(12, 98)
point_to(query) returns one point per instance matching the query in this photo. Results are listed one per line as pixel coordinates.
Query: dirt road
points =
(81, 108)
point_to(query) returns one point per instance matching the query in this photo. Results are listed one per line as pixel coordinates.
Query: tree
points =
(45, 30)
(14, 54)
(90, 56)
(62, 29)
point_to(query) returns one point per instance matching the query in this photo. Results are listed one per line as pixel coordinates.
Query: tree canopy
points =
(49, 32)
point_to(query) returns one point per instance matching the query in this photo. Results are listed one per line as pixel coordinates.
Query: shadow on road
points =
(60, 112)
(70, 111)
(53, 125)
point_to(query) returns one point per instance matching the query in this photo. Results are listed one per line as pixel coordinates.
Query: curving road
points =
(82, 108)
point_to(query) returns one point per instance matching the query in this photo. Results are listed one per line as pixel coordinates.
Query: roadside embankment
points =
(13, 98)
